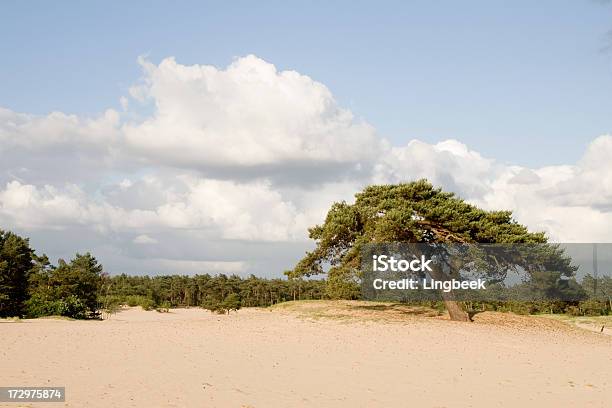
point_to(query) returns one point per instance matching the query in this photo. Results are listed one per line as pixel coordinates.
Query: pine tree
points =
(16, 263)
(413, 212)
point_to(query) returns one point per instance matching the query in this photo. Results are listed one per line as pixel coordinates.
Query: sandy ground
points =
(295, 357)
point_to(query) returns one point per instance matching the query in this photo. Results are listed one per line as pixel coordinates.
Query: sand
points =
(293, 357)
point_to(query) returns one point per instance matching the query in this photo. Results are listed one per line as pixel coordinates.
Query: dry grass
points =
(598, 324)
(352, 310)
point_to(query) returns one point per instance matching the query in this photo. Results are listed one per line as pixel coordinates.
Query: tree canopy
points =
(69, 289)
(413, 212)
(16, 262)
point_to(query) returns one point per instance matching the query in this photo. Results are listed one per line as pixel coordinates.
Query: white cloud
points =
(251, 154)
(32, 132)
(247, 115)
(572, 203)
(144, 239)
(252, 211)
(449, 163)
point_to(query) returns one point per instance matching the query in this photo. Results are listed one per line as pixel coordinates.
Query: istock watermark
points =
(382, 263)
(415, 284)
(488, 272)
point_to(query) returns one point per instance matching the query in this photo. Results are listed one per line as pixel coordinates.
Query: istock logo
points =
(383, 263)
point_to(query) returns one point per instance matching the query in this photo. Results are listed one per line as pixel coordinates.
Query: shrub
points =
(147, 304)
(139, 300)
(593, 308)
(133, 300)
(164, 307)
(231, 302)
(573, 311)
(70, 306)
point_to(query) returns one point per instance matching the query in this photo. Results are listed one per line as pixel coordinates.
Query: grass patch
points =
(592, 323)
(14, 319)
(54, 318)
(348, 310)
(605, 320)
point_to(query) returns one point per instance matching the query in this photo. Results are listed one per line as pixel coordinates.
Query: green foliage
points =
(413, 212)
(164, 307)
(146, 303)
(70, 289)
(30, 285)
(342, 286)
(70, 306)
(16, 263)
(599, 289)
(592, 308)
(139, 300)
(548, 285)
(109, 305)
(213, 305)
(572, 308)
(207, 290)
(231, 302)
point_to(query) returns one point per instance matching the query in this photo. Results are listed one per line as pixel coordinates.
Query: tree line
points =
(216, 293)
(30, 286)
(413, 212)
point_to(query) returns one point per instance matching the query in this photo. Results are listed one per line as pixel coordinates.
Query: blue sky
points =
(523, 82)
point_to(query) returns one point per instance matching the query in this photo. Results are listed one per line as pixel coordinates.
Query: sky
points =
(207, 136)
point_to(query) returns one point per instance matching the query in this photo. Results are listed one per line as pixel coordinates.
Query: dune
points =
(309, 354)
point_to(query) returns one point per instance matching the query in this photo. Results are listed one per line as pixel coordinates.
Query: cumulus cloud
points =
(233, 211)
(450, 164)
(572, 203)
(40, 132)
(247, 116)
(230, 167)
(48, 148)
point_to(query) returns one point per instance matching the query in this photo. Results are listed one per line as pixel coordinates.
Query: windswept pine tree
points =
(413, 213)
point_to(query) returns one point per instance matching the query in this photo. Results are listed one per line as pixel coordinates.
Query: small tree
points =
(70, 289)
(231, 302)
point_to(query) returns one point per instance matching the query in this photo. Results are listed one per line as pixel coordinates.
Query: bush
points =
(573, 311)
(147, 304)
(164, 307)
(139, 300)
(70, 306)
(213, 305)
(110, 304)
(231, 302)
(593, 308)
(133, 300)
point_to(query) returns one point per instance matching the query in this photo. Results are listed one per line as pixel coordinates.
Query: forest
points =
(216, 293)
(30, 286)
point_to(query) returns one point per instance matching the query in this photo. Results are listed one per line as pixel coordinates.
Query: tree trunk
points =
(456, 312)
